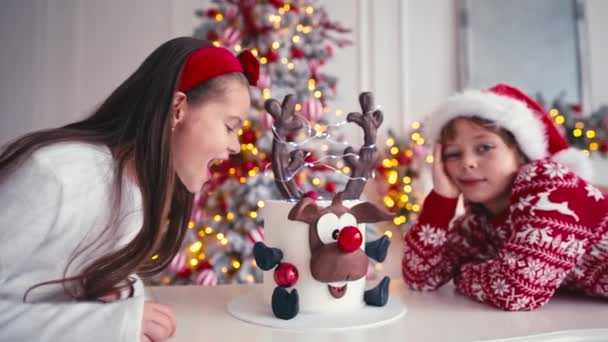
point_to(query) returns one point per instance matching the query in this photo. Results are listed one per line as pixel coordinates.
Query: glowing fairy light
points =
(196, 247)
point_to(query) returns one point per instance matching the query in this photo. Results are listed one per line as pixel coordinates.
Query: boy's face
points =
(208, 132)
(481, 165)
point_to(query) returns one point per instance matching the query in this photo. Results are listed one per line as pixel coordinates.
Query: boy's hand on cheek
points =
(442, 184)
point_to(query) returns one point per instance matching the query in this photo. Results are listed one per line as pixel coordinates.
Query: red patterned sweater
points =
(554, 235)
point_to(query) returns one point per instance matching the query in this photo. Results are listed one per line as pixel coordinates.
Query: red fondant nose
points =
(349, 239)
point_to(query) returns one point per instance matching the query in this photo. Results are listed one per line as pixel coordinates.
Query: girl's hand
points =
(113, 296)
(110, 297)
(158, 323)
(442, 184)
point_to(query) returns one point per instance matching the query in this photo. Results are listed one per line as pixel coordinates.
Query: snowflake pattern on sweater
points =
(554, 235)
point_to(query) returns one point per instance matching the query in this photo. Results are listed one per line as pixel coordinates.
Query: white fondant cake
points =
(292, 238)
(315, 252)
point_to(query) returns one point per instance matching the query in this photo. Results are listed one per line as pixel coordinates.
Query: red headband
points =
(212, 61)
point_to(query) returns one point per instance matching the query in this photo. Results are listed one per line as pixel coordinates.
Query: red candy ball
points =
(286, 274)
(349, 239)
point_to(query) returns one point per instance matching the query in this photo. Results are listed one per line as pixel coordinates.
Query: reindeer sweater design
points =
(554, 235)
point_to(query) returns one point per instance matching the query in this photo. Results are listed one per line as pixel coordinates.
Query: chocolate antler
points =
(285, 164)
(369, 120)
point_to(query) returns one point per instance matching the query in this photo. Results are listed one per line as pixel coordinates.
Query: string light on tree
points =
(401, 163)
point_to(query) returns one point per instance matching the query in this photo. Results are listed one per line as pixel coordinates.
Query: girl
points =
(531, 225)
(89, 204)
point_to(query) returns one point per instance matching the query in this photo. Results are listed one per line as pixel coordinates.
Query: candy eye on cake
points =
(317, 247)
(328, 228)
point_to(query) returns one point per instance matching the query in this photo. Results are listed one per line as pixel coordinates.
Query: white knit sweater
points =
(55, 202)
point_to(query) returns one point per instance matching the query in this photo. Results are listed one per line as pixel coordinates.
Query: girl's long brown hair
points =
(134, 122)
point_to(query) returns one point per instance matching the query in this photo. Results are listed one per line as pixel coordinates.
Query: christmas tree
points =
(400, 167)
(293, 41)
(588, 133)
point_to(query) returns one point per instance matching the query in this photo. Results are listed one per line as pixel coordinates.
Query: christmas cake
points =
(315, 254)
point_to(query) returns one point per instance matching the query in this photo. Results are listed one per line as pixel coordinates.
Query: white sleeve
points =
(119, 321)
(31, 199)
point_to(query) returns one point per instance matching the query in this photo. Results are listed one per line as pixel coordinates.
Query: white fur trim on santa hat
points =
(576, 161)
(508, 113)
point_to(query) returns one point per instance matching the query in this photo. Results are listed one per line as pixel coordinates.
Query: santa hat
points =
(536, 134)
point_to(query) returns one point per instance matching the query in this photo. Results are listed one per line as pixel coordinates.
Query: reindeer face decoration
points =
(335, 240)
(322, 243)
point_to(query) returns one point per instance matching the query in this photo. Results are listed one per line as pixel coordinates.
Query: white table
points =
(431, 316)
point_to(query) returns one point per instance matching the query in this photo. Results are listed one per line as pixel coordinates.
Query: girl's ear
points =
(178, 109)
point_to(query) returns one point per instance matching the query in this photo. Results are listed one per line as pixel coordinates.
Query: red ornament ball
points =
(184, 273)
(312, 195)
(349, 239)
(248, 166)
(297, 53)
(331, 187)
(248, 137)
(212, 35)
(276, 3)
(286, 274)
(272, 56)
